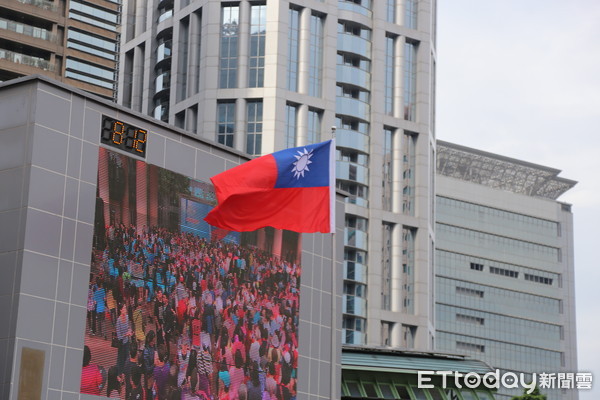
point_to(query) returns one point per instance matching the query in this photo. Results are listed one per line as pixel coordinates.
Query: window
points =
(354, 328)
(391, 11)
(469, 319)
(538, 279)
(387, 178)
(84, 71)
(313, 134)
(408, 266)
(291, 123)
(476, 266)
(226, 123)
(469, 292)
(408, 172)
(504, 272)
(293, 49)
(410, 81)
(254, 125)
(96, 16)
(386, 263)
(409, 332)
(92, 44)
(410, 13)
(477, 348)
(315, 67)
(228, 57)
(389, 76)
(386, 333)
(258, 28)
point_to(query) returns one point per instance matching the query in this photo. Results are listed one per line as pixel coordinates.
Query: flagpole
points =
(335, 381)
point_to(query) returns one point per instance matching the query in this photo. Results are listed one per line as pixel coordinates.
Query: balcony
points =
(164, 15)
(26, 60)
(352, 337)
(354, 44)
(354, 305)
(352, 140)
(46, 5)
(162, 83)
(352, 172)
(28, 30)
(353, 76)
(356, 238)
(164, 51)
(353, 107)
(161, 112)
(357, 8)
(355, 271)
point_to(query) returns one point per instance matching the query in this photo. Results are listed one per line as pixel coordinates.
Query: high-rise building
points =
(76, 42)
(504, 265)
(260, 76)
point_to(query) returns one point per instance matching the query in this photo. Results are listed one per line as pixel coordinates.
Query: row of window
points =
(226, 125)
(501, 244)
(498, 326)
(513, 274)
(94, 15)
(470, 347)
(504, 355)
(452, 264)
(313, 131)
(469, 319)
(495, 300)
(495, 216)
(374, 387)
(410, 12)
(504, 272)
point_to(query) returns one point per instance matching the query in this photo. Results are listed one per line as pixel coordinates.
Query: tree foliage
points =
(534, 395)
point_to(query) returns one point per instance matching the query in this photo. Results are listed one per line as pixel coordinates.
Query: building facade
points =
(504, 264)
(76, 42)
(69, 183)
(260, 76)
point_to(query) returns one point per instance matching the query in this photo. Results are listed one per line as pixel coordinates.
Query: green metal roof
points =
(408, 362)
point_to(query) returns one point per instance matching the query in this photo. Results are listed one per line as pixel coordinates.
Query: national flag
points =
(290, 189)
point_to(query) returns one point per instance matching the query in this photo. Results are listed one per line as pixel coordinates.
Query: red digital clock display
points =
(124, 136)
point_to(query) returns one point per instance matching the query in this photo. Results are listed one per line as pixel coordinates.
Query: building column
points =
(301, 125)
(243, 44)
(239, 139)
(304, 51)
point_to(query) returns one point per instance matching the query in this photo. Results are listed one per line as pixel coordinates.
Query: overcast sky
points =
(521, 78)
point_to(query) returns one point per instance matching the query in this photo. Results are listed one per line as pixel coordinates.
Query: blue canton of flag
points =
(305, 166)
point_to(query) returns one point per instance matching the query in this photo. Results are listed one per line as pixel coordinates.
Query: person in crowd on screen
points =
(100, 301)
(148, 362)
(114, 387)
(124, 334)
(136, 392)
(162, 369)
(91, 378)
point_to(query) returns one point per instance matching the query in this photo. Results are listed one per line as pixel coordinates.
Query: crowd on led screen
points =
(177, 309)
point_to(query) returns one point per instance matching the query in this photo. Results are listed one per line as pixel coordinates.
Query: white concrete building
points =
(504, 265)
(260, 76)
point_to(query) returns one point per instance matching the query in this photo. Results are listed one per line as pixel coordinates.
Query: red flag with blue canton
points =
(291, 189)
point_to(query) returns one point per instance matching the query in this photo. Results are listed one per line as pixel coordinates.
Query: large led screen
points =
(178, 309)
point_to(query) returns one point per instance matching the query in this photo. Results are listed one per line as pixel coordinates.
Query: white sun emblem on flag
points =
(301, 165)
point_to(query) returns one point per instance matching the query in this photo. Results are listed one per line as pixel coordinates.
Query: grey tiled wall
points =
(49, 139)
